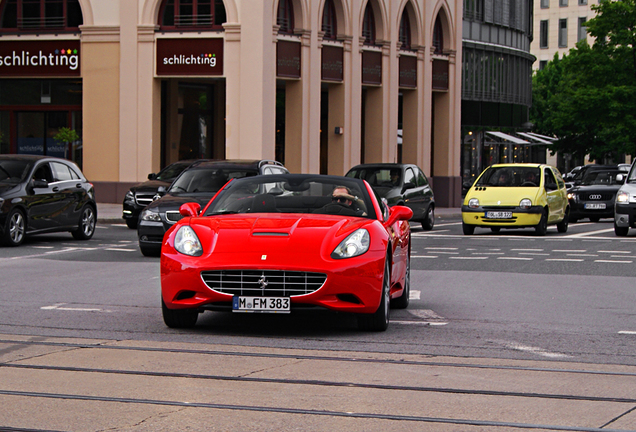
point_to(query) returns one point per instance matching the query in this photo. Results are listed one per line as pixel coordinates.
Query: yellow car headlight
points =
(473, 203)
(525, 203)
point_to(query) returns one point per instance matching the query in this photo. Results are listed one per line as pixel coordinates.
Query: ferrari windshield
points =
(13, 171)
(295, 193)
(207, 180)
(511, 176)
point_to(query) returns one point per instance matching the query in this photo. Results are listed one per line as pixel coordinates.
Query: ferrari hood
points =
(270, 235)
(503, 196)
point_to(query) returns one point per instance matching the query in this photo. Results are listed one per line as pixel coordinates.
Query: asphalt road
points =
(505, 331)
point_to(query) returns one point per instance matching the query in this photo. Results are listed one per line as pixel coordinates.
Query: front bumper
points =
(150, 234)
(520, 217)
(352, 285)
(131, 210)
(578, 210)
(625, 215)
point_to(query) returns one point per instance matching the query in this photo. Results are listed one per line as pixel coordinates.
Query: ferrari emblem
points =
(262, 281)
(263, 257)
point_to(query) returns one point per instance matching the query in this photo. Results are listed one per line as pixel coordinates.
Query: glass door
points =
(36, 130)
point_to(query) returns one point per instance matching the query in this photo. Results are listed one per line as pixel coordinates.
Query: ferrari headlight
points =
(355, 244)
(525, 203)
(150, 215)
(622, 197)
(187, 242)
(473, 203)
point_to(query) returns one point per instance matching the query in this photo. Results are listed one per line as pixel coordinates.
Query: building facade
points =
(497, 85)
(558, 26)
(321, 85)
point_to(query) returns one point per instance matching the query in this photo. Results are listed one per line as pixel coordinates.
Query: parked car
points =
(401, 184)
(199, 182)
(142, 194)
(40, 194)
(311, 242)
(516, 196)
(578, 175)
(594, 195)
(625, 205)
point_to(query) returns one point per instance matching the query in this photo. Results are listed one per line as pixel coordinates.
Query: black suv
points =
(197, 183)
(142, 194)
(401, 184)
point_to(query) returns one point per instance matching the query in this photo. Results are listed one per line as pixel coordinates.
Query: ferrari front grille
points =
(269, 283)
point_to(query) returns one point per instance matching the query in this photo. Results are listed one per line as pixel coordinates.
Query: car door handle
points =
(55, 189)
(79, 185)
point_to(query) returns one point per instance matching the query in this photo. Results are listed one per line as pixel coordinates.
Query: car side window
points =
(560, 180)
(61, 172)
(409, 177)
(549, 177)
(421, 178)
(43, 172)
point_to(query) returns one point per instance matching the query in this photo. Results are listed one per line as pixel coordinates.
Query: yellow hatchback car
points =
(516, 196)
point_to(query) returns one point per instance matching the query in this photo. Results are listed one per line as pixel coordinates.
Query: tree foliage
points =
(587, 98)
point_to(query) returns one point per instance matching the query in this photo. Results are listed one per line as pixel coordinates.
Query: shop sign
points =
(440, 74)
(408, 71)
(288, 59)
(195, 56)
(332, 63)
(59, 58)
(371, 67)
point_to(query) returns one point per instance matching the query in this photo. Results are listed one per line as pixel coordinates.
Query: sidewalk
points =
(111, 213)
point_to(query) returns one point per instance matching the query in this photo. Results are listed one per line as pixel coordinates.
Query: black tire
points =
(15, 229)
(620, 231)
(468, 229)
(379, 320)
(132, 223)
(562, 226)
(595, 219)
(179, 318)
(542, 227)
(402, 302)
(150, 251)
(495, 229)
(429, 222)
(86, 224)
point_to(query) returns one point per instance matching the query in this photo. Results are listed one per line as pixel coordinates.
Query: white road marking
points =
(534, 350)
(414, 295)
(613, 261)
(527, 250)
(582, 255)
(469, 258)
(615, 252)
(58, 306)
(447, 224)
(424, 256)
(42, 247)
(622, 256)
(442, 248)
(488, 253)
(590, 233)
(564, 259)
(627, 332)
(515, 258)
(569, 250)
(418, 323)
(534, 253)
(121, 249)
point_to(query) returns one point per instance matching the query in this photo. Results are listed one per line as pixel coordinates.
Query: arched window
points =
(438, 36)
(329, 23)
(192, 14)
(405, 31)
(40, 15)
(285, 17)
(368, 25)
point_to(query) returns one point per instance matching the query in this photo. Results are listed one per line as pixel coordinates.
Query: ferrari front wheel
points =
(379, 320)
(179, 318)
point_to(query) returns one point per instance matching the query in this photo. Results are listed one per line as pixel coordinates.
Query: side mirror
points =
(397, 213)
(620, 178)
(190, 209)
(152, 176)
(407, 186)
(39, 184)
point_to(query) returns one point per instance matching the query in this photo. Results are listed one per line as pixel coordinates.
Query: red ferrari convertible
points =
(285, 243)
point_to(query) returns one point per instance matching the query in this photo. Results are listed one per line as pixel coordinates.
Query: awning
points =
(544, 137)
(535, 138)
(507, 137)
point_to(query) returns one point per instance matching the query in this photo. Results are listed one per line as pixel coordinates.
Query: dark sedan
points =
(142, 194)
(593, 196)
(40, 194)
(197, 183)
(401, 184)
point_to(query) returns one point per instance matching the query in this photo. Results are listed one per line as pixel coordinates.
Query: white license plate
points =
(498, 215)
(261, 304)
(595, 206)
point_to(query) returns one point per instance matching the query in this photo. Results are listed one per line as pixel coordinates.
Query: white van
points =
(625, 204)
